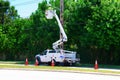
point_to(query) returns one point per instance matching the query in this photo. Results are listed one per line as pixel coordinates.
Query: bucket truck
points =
(57, 55)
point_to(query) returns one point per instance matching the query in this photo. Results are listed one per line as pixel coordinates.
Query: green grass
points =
(101, 66)
(15, 62)
(11, 62)
(20, 65)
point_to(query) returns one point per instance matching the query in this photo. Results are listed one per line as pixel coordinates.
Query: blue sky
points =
(25, 7)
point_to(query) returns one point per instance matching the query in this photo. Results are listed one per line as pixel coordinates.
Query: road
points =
(8, 74)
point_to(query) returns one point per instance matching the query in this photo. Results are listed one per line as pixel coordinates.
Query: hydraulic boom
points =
(49, 15)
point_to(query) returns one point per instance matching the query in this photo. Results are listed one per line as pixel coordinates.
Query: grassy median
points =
(21, 65)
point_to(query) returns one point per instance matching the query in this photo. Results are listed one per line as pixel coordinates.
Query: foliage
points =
(92, 27)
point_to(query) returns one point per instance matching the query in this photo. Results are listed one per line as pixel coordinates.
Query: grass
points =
(101, 66)
(20, 65)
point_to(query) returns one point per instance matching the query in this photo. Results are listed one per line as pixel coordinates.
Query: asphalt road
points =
(49, 75)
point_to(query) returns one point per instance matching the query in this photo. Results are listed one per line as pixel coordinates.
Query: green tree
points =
(4, 5)
(44, 29)
(104, 28)
(7, 15)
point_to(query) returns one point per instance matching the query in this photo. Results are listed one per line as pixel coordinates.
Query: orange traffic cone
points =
(52, 63)
(36, 62)
(96, 65)
(26, 61)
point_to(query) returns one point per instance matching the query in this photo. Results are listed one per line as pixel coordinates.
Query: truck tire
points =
(66, 63)
(39, 60)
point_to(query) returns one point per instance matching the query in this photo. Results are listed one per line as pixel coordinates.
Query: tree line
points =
(92, 27)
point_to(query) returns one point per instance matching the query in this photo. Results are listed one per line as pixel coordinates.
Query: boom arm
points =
(50, 14)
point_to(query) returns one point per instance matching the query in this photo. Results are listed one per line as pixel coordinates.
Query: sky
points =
(25, 7)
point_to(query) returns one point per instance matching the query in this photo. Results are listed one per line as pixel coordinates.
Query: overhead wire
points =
(26, 3)
(23, 3)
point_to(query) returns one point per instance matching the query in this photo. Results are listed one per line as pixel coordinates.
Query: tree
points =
(4, 5)
(104, 28)
(48, 28)
(7, 15)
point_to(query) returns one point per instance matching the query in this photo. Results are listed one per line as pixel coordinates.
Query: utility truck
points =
(58, 55)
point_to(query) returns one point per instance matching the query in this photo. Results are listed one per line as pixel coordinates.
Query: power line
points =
(25, 3)
(21, 4)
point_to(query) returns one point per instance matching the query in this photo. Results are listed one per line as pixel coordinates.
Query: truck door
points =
(44, 56)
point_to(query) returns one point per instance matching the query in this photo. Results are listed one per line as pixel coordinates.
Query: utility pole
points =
(61, 18)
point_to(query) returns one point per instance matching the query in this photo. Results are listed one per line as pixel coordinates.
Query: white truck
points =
(57, 55)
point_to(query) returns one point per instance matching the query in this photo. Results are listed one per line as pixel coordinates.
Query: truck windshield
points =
(44, 52)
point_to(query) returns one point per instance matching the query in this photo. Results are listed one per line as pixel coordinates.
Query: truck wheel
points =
(66, 63)
(39, 60)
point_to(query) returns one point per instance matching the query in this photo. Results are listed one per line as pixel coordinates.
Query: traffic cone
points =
(52, 63)
(26, 61)
(96, 65)
(36, 62)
